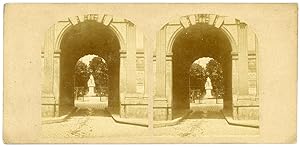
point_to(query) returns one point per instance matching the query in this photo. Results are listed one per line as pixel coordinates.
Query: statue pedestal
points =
(91, 91)
(208, 93)
(91, 102)
(208, 97)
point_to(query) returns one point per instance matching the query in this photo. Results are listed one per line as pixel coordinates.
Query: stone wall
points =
(133, 75)
(49, 110)
(132, 71)
(244, 99)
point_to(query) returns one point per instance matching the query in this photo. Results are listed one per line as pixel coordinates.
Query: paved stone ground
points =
(204, 121)
(91, 123)
(205, 124)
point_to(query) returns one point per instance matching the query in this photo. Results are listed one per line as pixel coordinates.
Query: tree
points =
(215, 73)
(197, 77)
(81, 74)
(100, 71)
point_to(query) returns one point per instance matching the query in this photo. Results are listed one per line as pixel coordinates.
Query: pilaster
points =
(243, 59)
(131, 60)
(161, 66)
(47, 90)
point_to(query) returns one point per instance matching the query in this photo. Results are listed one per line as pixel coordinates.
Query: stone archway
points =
(88, 37)
(124, 35)
(241, 67)
(198, 41)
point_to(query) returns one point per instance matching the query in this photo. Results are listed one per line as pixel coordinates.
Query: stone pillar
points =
(234, 74)
(161, 66)
(242, 72)
(169, 85)
(243, 59)
(257, 69)
(49, 103)
(56, 81)
(160, 100)
(131, 59)
(148, 92)
(130, 95)
(122, 80)
(56, 74)
(146, 67)
(235, 81)
(47, 91)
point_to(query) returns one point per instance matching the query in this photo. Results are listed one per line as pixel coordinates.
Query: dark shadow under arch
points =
(89, 37)
(200, 40)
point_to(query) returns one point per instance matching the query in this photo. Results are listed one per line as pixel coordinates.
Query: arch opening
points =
(89, 38)
(91, 83)
(206, 85)
(195, 42)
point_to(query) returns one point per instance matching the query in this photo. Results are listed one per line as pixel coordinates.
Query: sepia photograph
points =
(128, 73)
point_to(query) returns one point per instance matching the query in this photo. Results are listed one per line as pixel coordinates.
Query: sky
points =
(87, 58)
(203, 61)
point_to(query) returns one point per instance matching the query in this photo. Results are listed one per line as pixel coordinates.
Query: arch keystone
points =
(107, 19)
(185, 22)
(203, 18)
(74, 20)
(94, 17)
(219, 22)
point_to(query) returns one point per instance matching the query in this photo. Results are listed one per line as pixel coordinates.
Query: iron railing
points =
(82, 91)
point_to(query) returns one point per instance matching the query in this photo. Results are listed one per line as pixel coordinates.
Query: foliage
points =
(100, 71)
(215, 73)
(82, 74)
(197, 77)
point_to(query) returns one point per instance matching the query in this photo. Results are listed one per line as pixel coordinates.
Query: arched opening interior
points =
(197, 41)
(91, 83)
(206, 85)
(89, 37)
